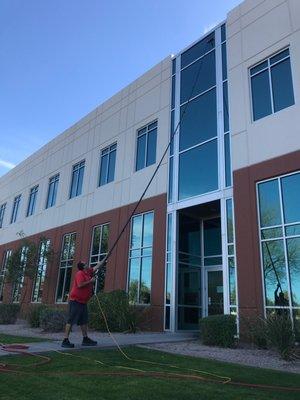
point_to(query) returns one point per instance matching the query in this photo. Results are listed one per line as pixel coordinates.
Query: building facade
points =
(218, 231)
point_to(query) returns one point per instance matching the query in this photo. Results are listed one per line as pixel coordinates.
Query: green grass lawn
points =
(8, 339)
(60, 379)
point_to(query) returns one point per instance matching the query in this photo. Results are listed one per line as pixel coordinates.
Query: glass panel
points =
(136, 235)
(259, 67)
(269, 204)
(173, 92)
(134, 278)
(173, 66)
(188, 318)
(67, 284)
(225, 107)
(198, 50)
(227, 160)
(191, 79)
(212, 237)
(279, 56)
(200, 120)
(145, 288)
(147, 251)
(271, 233)
(167, 318)
(283, 92)
(189, 235)
(189, 283)
(261, 96)
(111, 168)
(215, 292)
(151, 147)
(104, 239)
(148, 229)
(96, 240)
(135, 253)
(198, 170)
(232, 281)
(296, 316)
(291, 195)
(168, 283)
(275, 273)
(60, 285)
(170, 194)
(293, 250)
(169, 241)
(171, 134)
(224, 61)
(229, 216)
(292, 230)
(80, 181)
(223, 33)
(231, 250)
(141, 148)
(212, 261)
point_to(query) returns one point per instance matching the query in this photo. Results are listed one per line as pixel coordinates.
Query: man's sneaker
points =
(67, 343)
(86, 341)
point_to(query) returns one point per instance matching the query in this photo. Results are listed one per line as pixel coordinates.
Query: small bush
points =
(280, 335)
(52, 320)
(33, 315)
(218, 330)
(9, 313)
(120, 315)
(254, 331)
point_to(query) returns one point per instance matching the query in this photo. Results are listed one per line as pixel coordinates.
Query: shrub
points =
(33, 315)
(52, 319)
(218, 330)
(9, 313)
(280, 335)
(120, 315)
(254, 331)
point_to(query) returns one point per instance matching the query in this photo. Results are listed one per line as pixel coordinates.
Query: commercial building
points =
(218, 231)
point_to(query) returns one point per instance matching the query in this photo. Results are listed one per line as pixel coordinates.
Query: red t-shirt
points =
(82, 294)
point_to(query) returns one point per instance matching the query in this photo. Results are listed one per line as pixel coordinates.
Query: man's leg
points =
(68, 330)
(86, 341)
(84, 330)
(71, 318)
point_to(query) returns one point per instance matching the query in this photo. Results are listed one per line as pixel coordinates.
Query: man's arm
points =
(99, 264)
(85, 283)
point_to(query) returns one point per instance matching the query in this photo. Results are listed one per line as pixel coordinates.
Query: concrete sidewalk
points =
(105, 341)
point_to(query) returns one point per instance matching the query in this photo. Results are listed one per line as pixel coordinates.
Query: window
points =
(140, 258)
(2, 212)
(279, 223)
(15, 209)
(77, 179)
(146, 146)
(52, 191)
(18, 285)
(107, 164)
(6, 256)
(65, 267)
(32, 200)
(271, 85)
(99, 250)
(39, 280)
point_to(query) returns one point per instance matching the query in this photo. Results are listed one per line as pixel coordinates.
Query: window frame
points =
(55, 178)
(155, 121)
(109, 152)
(66, 267)
(100, 255)
(32, 199)
(15, 208)
(76, 167)
(6, 255)
(268, 69)
(2, 213)
(141, 256)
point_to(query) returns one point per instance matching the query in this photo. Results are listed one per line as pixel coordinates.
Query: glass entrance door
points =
(214, 291)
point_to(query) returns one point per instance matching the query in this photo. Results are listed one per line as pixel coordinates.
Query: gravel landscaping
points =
(244, 355)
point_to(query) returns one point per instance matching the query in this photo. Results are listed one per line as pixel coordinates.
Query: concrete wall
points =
(255, 30)
(116, 120)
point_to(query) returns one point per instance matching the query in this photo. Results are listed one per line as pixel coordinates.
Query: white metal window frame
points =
(76, 167)
(141, 256)
(268, 68)
(2, 213)
(107, 151)
(15, 209)
(6, 255)
(284, 237)
(32, 200)
(100, 255)
(66, 267)
(54, 180)
(146, 146)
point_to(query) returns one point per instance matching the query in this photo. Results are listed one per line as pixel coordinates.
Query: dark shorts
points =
(78, 313)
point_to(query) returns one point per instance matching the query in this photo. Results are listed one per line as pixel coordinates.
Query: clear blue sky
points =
(59, 59)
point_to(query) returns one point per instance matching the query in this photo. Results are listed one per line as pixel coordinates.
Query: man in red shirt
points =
(80, 294)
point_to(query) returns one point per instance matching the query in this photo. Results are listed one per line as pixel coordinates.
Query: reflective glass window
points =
(198, 50)
(291, 198)
(198, 77)
(269, 203)
(146, 146)
(199, 122)
(293, 250)
(198, 170)
(283, 93)
(261, 95)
